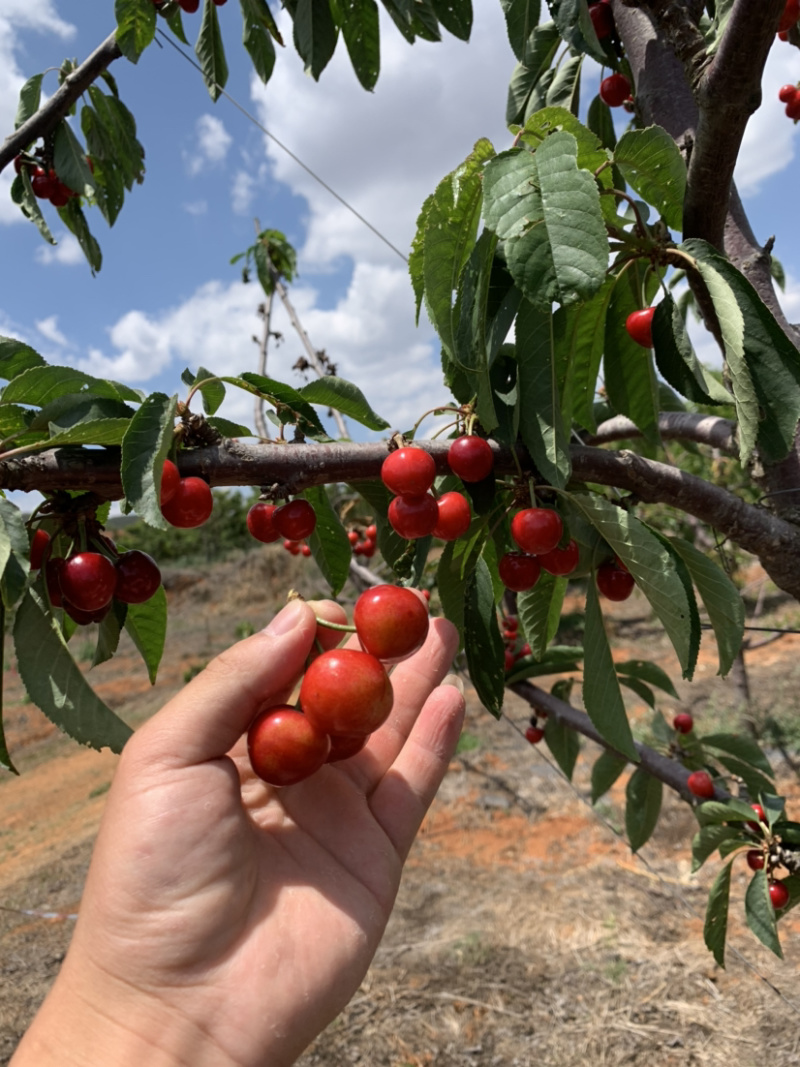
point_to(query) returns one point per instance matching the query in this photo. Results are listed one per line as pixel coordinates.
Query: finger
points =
(212, 712)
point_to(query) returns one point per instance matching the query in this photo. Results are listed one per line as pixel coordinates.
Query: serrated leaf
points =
(606, 769)
(676, 359)
(600, 121)
(715, 928)
(39, 385)
(96, 432)
(601, 693)
(563, 742)
(345, 397)
(773, 805)
(575, 26)
(212, 390)
(721, 599)
(136, 26)
(210, 51)
(472, 354)
(644, 692)
(108, 633)
(652, 164)
(257, 36)
(30, 96)
(17, 567)
(532, 75)
(565, 88)
(228, 428)
(175, 23)
(522, 19)
(456, 564)
(539, 612)
(717, 811)
(760, 913)
(361, 32)
(289, 404)
(73, 408)
(541, 425)
(754, 780)
(329, 545)
(145, 446)
(482, 641)
(54, 681)
(74, 219)
(647, 671)
(417, 254)
(586, 342)
(643, 795)
(707, 840)
(17, 357)
(314, 35)
(147, 626)
(69, 161)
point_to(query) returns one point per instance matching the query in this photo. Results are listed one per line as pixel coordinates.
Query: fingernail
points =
(454, 680)
(286, 619)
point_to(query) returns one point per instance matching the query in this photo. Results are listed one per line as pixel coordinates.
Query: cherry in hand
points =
(391, 622)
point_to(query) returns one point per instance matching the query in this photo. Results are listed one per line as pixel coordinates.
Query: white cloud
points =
(48, 328)
(769, 141)
(67, 252)
(243, 190)
(213, 142)
(196, 207)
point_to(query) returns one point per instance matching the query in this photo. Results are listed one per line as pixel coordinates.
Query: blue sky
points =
(167, 296)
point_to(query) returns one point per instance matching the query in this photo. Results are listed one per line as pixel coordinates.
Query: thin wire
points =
(288, 151)
(762, 629)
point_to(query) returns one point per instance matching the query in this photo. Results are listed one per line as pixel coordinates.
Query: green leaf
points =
(17, 566)
(416, 256)
(708, 839)
(212, 391)
(539, 612)
(557, 659)
(109, 633)
(314, 35)
(136, 26)
(455, 16)
(643, 795)
(17, 357)
(210, 51)
(456, 565)
(522, 19)
(717, 811)
(564, 744)
(676, 359)
(565, 88)
(391, 546)
(601, 693)
(716, 925)
(607, 768)
(586, 342)
(69, 161)
(147, 626)
(228, 428)
(73, 408)
(541, 425)
(289, 404)
(54, 681)
(652, 164)
(337, 393)
(647, 671)
(721, 599)
(644, 692)
(361, 32)
(22, 194)
(40, 384)
(482, 641)
(74, 219)
(743, 748)
(575, 26)
(532, 76)
(258, 30)
(754, 780)
(175, 23)
(145, 446)
(329, 545)
(472, 353)
(30, 96)
(760, 913)
(601, 122)
(96, 432)
(118, 147)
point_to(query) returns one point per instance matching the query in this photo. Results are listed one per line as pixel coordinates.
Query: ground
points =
(525, 931)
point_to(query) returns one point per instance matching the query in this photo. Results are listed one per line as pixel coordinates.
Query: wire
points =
(288, 151)
(761, 629)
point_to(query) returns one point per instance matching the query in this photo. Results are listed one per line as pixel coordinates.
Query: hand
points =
(226, 922)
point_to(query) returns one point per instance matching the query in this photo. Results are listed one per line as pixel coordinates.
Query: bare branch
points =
(674, 426)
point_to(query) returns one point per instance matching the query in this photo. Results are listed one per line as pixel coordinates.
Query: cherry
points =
(779, 895)
(295, 520)
(52, 574)
(639, 325)
(786, 93)
(219, 3)
(534, 734)
(40, 544)
(602, 20)
(537, 530)
(261, 522)
(305, 550)
(791, 14)
(344, 746)
(346, 691)
(391, 622)
(471, 458)
(413, 516)
(408, 472)
(189, 6)
(615, 90)
(614, 582)
(512, 623)
(519, 572)
(19, 163)
(755, 859)
(701, 784)
(761, 815)
(293, 547)
(561, 561)
(508, 659)
(454, 516)
(371, 532)
(88, 580)
(284, 747)
(138, 577)
(524, 652)
(191, 505)
(86, 618)
(427, 594)
(683, 723)
(353, 536)
(368, 548)
(170, 480)
(793, 107)
(60, 195)
(43, 183)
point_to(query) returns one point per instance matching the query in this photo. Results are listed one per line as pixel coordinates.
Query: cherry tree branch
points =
(674, 426)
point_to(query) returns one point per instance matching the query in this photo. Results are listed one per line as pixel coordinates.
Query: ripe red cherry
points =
(413, 516)
(534, 734)
(191, 505)
(284, 747)
(368, 548)
(189, 6)
(293, 547)
(408, 472)
(353, 537)
(60, 195)
(43, 183)
(537, 530)
(305, 550)
(779, 895)
(793, 107)
(508, 659)
(512, 623)
(755, 859)
(88, 580)
(346, 691)
(454, 517)
(261, 522)
(561, 561)
(391, 622)
(787, 93)
(615, 90)
(138, 577)
(519, 572)
(639, 325)
(170, 480)
(602, 20)
(40, 543)
(701, 784)
(371, 532)
(471, 458)
(86, 618)
(683, 723)
(614, 582)
(345, 746)
(760, 815)
(295, 520)
(791, 14)
(52, 573)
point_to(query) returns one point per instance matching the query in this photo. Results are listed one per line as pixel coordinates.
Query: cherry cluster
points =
(293, 521)
(364, 545)
(537, 532)
(185, 502)
(297, 548)
(602, 18)
(789, 18)
(511, 639)
(190, 6)
(45, 183)
(790, 95)
(345, 694)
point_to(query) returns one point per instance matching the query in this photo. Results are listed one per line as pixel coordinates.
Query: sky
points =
(167, 296)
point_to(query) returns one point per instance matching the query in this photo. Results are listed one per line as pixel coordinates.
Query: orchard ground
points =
(525, 932)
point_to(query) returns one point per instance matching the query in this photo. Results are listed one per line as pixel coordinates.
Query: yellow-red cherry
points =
(639, 325)
(391, 622)
(471, 458)
(454, 517)
(408, 471)
(284, 747)
(170, 480)
(346, 691)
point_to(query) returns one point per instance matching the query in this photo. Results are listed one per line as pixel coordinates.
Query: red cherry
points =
(295, 520)
(761, 816)
(683, 723)
(371, 532)
(786, 93)
(427, 594)
(779, 895)
(170, 480)
(508, 659)
(305, 550)
(346, 691)
(43, 183)
(755, 859)
(408, 472)
(614, 582)
(191, 505)
(138, 577)
(615, 90)
(519, 572)
(345, 746)
(524, 652)
(454, 517)
(783, 35)
(391, 622)
(368, 548)
(793, 108)
(471, 458)
(52, 574)
(61, 195)
(353, 537)
(292, 547)
(261, 522)
(189, 6)
(86, 618)
(602, 20)
(639, 325)
(413, 516)
(284, 747)
(701, 784)
(512, 623)
(219, 3)
(791, 14)
(40, 544)
(534, 734)
(88, 580)
(561, 561)
(537, 530)
(18, 163)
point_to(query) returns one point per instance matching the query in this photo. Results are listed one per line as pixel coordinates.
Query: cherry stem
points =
(345, 628)
(432, 411)
(447, 427)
